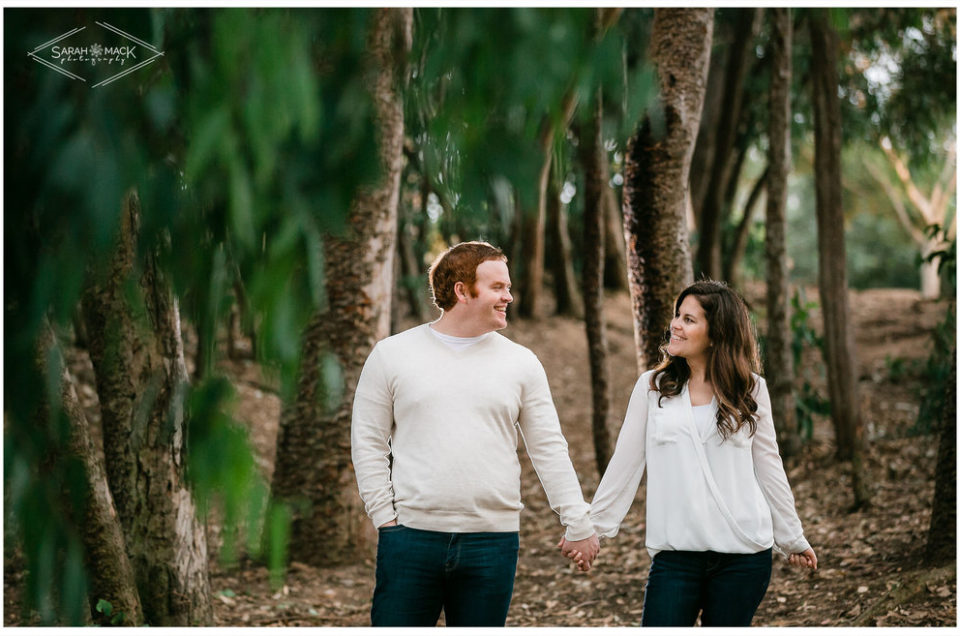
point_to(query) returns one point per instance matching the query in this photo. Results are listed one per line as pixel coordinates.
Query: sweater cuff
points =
(382, 516)
(580, 529)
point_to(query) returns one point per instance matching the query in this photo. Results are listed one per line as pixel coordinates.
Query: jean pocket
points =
(389, 529)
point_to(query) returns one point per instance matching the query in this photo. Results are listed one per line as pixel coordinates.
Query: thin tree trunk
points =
(701, 164)
(942, 536)
(137, 354)
(536, 221)
(711, 216)
(779, 356)
(657, 172)
(615, 276)
(411, 272)
(592, 157)
(111, 574)
(313, 449)
(838, 337)
(569, 300)
(731, 267)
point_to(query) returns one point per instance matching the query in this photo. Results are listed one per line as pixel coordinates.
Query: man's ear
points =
(460, 290)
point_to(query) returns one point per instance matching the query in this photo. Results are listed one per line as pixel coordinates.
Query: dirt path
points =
(869, 561)
(870, 569)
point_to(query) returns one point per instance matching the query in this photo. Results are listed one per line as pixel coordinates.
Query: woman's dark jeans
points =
(728, 588)
(467, 574)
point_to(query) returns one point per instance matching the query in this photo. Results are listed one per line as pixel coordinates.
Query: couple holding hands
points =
(436, 419)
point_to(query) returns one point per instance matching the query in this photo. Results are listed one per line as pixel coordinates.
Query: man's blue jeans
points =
(467, 574)
(728, 588)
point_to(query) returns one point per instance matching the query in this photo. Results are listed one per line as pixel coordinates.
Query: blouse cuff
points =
(798, 545)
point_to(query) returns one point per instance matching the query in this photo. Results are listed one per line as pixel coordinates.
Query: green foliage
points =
(246, 142)
(809, 402)
(900, 76)
(486, 82)
(105, 608)
(936, 371)
(936, 375)
(221, 466)
(900, 369)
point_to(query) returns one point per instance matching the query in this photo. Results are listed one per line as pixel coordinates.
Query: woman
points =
(718, 499)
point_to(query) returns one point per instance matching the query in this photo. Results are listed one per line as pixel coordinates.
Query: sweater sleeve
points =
(620, 482)
(370, 432)
(787, 530)
(547, 448)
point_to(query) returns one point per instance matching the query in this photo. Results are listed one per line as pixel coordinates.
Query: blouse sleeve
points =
(787, 530)
(620, 482)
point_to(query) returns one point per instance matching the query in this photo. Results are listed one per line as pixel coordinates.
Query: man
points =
(435, 422)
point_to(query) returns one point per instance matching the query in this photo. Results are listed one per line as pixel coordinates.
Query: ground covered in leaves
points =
(870, 561)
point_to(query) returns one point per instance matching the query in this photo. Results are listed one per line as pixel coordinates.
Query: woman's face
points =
(689, 331)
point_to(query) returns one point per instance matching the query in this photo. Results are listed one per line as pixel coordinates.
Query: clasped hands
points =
(581, 552)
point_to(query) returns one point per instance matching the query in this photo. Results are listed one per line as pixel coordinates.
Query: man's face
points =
(487, 305)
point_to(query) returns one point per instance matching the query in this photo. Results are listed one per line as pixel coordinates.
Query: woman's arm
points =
(787, 529)
(620, 482)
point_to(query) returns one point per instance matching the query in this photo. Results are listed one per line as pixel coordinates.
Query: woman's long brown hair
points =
(732, 359)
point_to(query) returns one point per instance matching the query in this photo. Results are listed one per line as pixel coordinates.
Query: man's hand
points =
(805, 559)
(582, 552)
(392, 522)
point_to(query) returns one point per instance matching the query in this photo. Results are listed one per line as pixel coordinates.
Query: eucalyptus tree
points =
(314, 472)
(657, 170)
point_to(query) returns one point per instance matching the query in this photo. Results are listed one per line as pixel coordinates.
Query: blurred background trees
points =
(277, 183)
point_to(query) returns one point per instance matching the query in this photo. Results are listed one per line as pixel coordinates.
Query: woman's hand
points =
(805, 559)
(581, 552)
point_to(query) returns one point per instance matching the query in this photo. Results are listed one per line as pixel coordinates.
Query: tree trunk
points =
(411, 271)
(838, 338)
(615, 276)
(779, 355)
(929, 276)
(111, 574)
(942, 536)
(313, 470)
(731, 267)
(701, 163)
(711, 216)
(529, 302)
(592, 156)
(137, 354)
(657, 172)
(569, 301)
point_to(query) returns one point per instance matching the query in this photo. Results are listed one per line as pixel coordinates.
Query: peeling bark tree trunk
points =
(838, 338)
(657, 172)
(569, 301)
(592, 156)
(721, 172)
(111, 575)
(942, 536)
(314, 471)
(779, 356)
(137, 354)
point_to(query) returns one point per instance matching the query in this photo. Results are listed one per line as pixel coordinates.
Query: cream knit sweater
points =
(435, 432)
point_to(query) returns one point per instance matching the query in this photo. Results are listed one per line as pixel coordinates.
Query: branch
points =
(940, 199)
(897, 203)
(913, 193)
